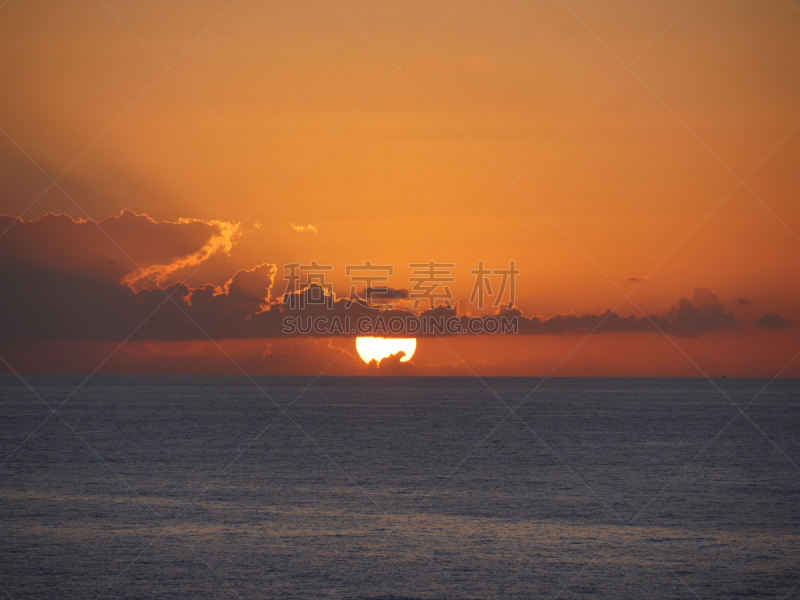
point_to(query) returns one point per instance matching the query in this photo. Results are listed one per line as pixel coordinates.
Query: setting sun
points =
(376, 348)
(225, 226)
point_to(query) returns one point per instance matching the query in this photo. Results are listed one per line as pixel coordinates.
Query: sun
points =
(376, 348)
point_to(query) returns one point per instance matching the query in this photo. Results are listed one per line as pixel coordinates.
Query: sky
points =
(161, 163)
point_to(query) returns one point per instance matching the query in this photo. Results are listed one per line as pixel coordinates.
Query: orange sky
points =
(510, 131)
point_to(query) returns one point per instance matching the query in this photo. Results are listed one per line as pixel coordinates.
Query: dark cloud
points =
(384, 293)
(39, 304)
(743, 301)
(770, 321)
(62, 282)
(633, 279)
(689, 318)
(142, 250)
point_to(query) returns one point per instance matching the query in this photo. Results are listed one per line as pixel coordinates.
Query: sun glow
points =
(376, 348)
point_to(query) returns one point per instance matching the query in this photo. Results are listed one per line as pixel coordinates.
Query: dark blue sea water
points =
(399, 488)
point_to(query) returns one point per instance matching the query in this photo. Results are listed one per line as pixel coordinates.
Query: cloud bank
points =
(64, 280)
(771, 321)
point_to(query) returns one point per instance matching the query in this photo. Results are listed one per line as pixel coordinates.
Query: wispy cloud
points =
(304, 228)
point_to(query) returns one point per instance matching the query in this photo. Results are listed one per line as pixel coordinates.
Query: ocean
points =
(390, 488)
